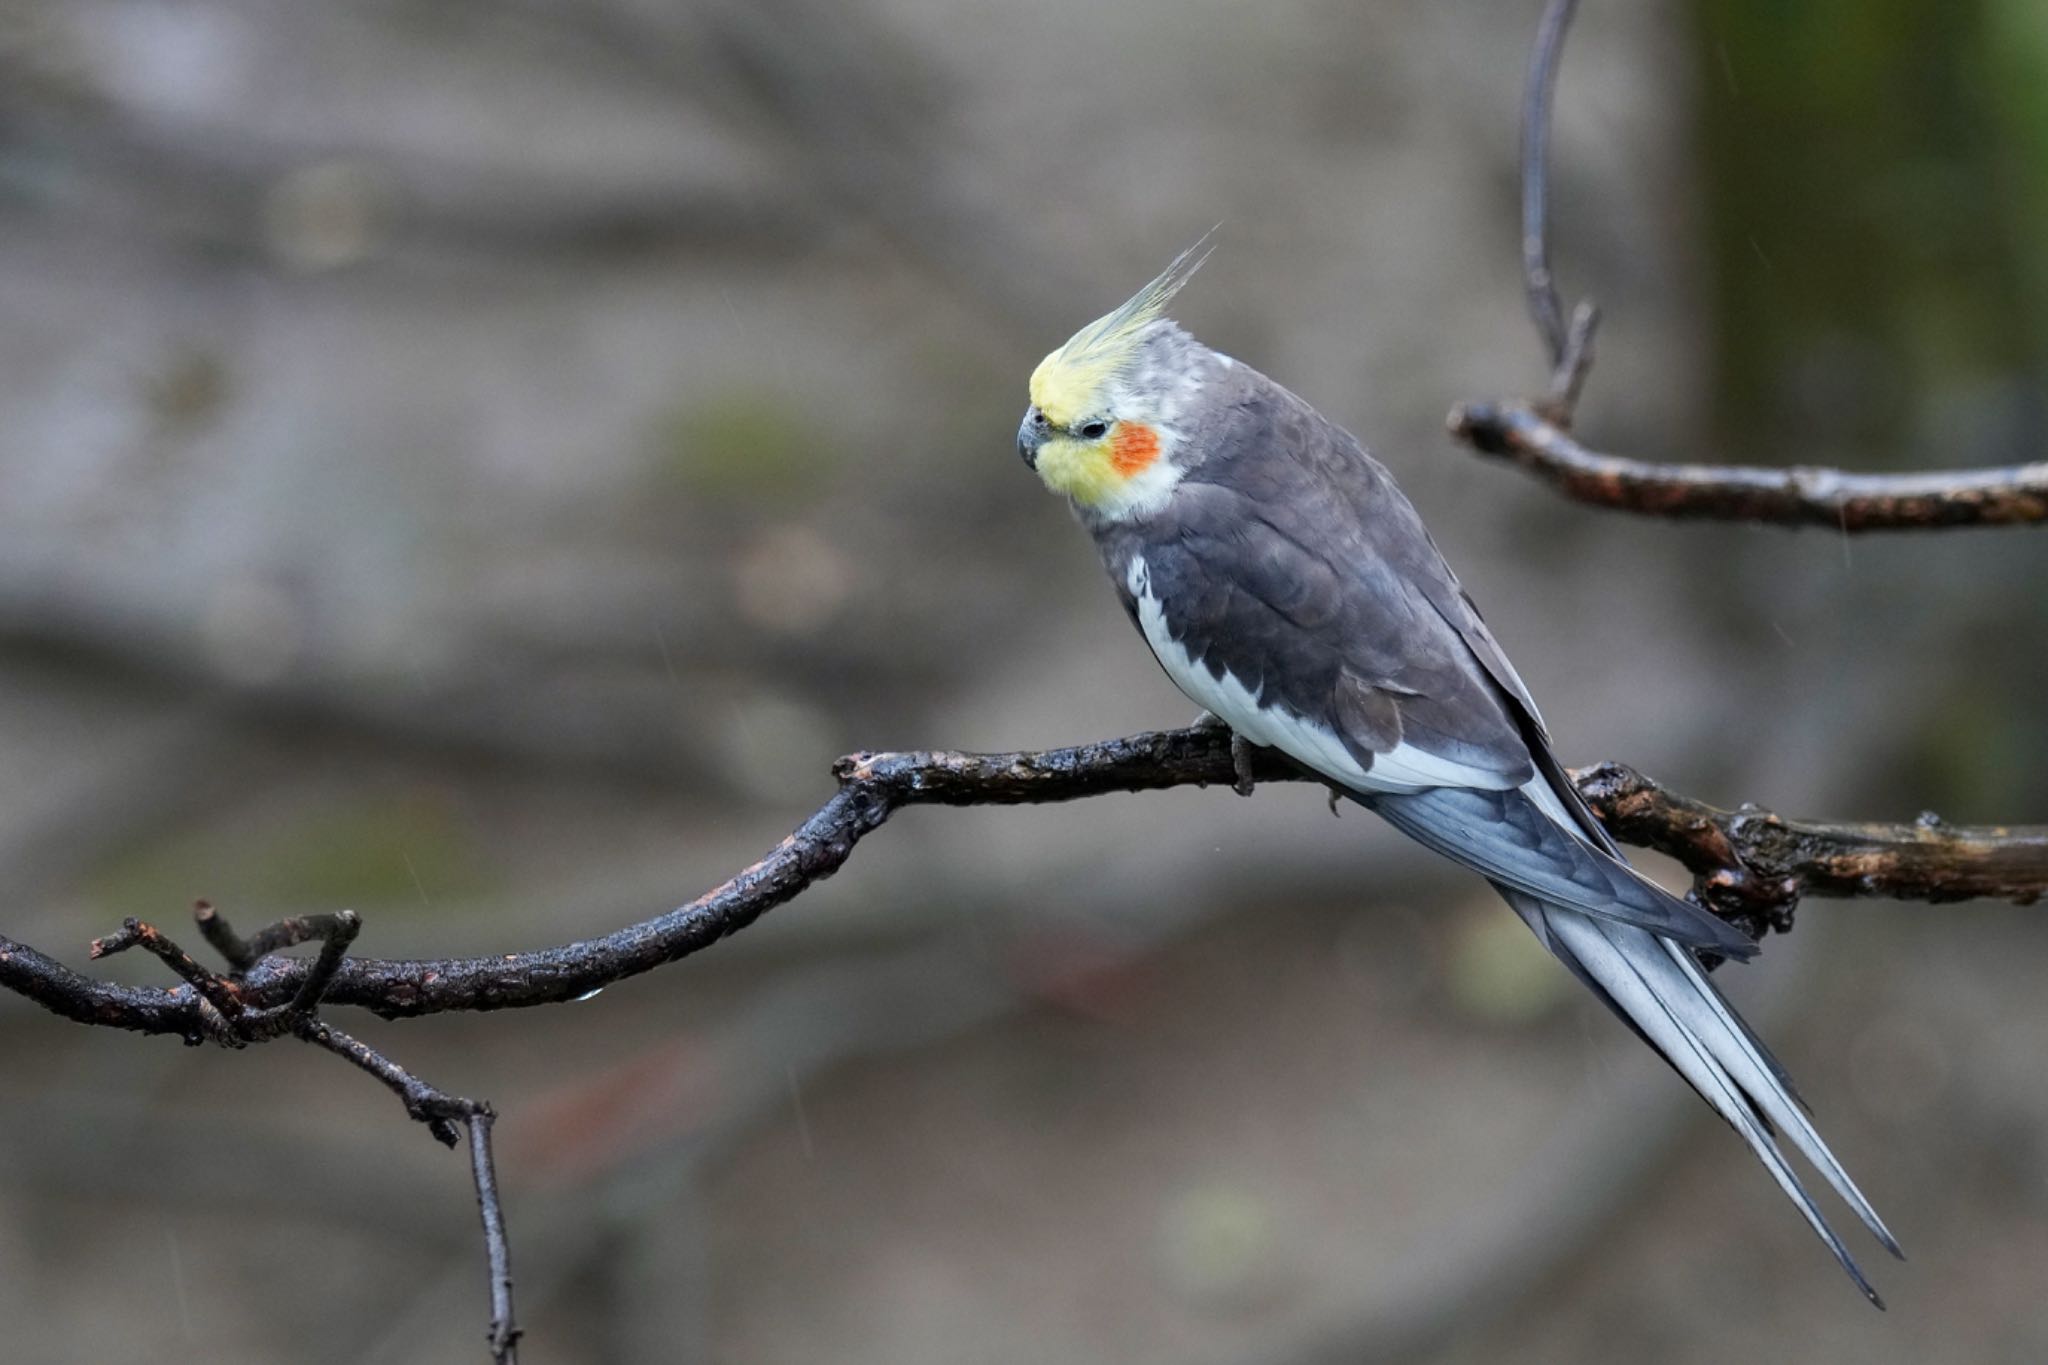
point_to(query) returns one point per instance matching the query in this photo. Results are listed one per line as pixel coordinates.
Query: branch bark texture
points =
(1747, 862)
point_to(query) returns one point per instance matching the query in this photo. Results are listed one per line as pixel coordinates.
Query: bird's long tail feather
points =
(1656, 985)
(1659, 989)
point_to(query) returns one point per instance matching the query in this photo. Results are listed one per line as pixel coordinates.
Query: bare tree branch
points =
(1536, 434)
(2016, 495)
(1769, 859)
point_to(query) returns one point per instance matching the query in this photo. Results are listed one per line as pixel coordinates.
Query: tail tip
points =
(1869, 1291)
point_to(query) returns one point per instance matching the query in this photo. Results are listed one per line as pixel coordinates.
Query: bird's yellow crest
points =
(1069, 383)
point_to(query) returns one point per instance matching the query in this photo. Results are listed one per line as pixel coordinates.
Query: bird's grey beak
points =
(1031, 434)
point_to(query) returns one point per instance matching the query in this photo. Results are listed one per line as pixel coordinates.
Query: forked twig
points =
(1536, 434)
(227, 1018)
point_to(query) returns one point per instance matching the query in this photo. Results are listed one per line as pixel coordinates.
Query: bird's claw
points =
(1240, 751)
(1241, 763)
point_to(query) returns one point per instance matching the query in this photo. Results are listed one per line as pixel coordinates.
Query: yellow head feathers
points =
(1068, 383)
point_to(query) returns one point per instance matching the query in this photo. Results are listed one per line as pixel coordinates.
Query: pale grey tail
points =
(1646, 975)
(1658, 988)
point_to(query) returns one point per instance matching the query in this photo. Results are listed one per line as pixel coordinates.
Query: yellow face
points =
(1098, 470)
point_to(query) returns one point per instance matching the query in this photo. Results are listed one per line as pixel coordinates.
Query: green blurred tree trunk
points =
(1877, 211)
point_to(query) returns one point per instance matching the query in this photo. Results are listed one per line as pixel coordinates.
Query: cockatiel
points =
(1287, 587)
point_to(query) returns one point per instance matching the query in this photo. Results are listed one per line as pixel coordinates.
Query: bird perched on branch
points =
(1285, 584)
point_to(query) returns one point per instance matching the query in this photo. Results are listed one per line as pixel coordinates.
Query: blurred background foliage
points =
(478, 464)
(1876, 161)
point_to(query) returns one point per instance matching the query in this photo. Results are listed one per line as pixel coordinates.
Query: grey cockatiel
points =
(1286, 585)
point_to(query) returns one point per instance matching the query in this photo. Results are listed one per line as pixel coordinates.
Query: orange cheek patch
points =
(1133, 449)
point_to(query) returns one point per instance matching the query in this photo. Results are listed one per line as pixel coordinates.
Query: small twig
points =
(222, 938)
(504, 1333)
(216, 990)
(2015, 495)
(291, 932)
(1568, 380)
(336, 932)
(1570, 348)
(424, 1103)
(1538, 93)
(441, 1112)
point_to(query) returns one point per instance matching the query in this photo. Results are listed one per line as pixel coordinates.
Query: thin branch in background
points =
(1540, 89)
(2014, 495)
(1535, 434)
(1568, 379)
(1570, 346)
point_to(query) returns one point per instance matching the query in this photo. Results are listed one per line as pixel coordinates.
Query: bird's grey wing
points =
(1343, 472)
(1331, 642)
(1316, 628)
(1342, 523)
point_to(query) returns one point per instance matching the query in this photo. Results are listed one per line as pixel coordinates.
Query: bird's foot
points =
(1240, 751)
(1241, 763)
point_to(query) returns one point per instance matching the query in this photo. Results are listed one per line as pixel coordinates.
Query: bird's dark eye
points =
(1094, 428)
